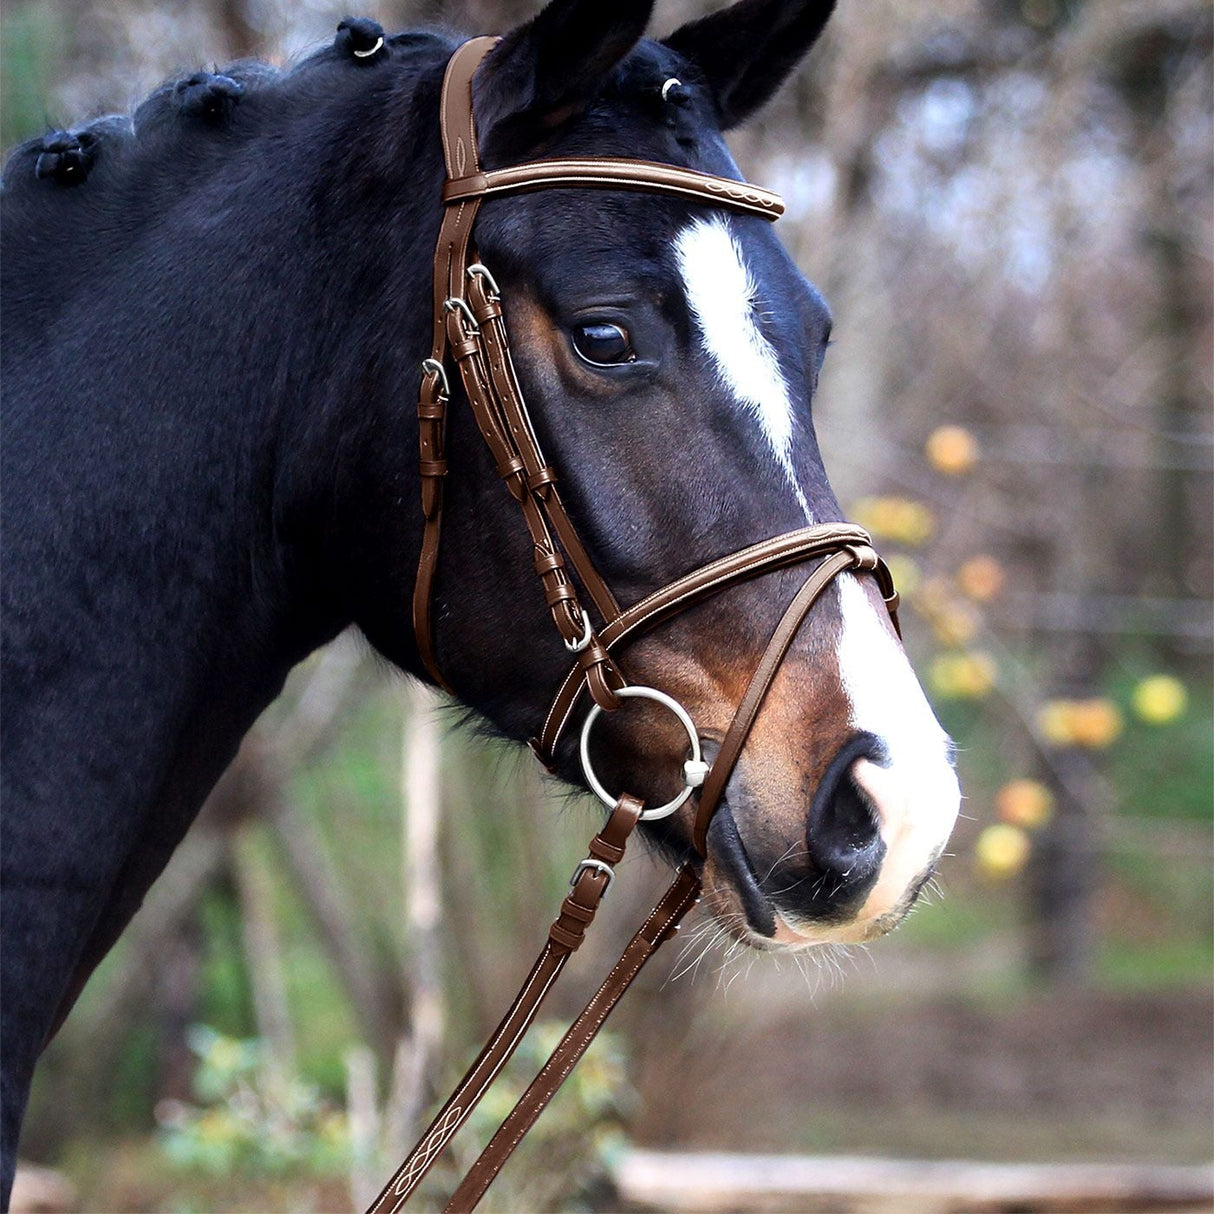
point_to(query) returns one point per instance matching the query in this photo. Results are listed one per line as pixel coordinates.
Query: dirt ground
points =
(1069, 1075)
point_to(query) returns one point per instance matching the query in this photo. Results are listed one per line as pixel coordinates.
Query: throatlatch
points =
(470, 332)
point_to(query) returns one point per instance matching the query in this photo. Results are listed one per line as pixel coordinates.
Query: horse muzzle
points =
(852, 868)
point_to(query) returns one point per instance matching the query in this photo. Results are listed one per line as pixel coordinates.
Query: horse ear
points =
(550, 68)
(746, 51)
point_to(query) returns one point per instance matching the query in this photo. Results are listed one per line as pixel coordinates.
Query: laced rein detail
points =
(469, 329)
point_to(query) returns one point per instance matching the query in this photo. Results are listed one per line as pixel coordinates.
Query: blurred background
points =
(1008, 205)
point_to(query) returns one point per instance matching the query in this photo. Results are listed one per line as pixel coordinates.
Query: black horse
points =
(214, 315)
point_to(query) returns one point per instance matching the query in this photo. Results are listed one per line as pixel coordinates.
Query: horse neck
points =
(239, 459)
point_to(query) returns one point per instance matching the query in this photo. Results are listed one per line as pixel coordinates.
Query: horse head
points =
(669, 353)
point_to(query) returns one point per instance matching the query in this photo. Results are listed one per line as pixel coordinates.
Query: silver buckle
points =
(599, 866)
(477, 270)
(455, 304)
(583, 642)
(433, 367)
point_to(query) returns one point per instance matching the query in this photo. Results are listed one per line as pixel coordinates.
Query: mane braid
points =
(245, 100)
(77, 202)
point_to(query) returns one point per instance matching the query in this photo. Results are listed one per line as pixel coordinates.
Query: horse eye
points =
(602, 344)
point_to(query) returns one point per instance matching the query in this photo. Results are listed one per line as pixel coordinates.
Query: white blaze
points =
(722, 295)
(916, 793)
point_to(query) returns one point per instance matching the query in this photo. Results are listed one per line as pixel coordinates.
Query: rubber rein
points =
(469, 330)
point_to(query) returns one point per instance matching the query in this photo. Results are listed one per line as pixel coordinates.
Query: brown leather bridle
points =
(469, 327)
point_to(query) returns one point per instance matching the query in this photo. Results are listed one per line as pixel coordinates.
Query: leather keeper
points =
(431, 410)
(562, 592)
(463, 347)
(474, 183)
(595, 654)
(566, 940)
(865, 557)
(485, 309)
(510, 467)
(600, 849)
(432, 467)
(575, 910)
(541, 479)
(547, 562)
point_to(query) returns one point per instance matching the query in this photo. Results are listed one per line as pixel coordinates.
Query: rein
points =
(470, 330)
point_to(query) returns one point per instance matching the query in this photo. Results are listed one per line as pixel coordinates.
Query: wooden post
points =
(421, 804)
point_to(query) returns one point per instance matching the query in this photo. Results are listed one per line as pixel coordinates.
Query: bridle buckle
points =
(583, 642)
(431, 366)
(598, 866)
(454, 304)
(480, 270)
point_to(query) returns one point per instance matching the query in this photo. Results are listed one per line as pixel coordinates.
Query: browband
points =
(605, 173)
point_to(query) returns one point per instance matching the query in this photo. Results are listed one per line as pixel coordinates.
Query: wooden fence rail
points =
(705, 1183)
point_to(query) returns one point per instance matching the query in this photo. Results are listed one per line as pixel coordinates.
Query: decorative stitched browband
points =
(470, 331)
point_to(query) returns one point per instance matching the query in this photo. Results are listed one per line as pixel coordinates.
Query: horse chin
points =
(789, 932)
(734, 894)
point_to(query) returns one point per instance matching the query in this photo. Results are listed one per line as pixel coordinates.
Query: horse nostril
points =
(844, 835)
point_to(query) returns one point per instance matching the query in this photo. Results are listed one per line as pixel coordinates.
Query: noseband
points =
(469, 329)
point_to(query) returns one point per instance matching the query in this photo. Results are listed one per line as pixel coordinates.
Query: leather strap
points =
(660, 926)
(564, 936)
(540, 476)
(618, 174)
(450, 264)
(458, 127)
(760, 683)
(608, 847)
(481, 349)
(777, 553)
(468, 324)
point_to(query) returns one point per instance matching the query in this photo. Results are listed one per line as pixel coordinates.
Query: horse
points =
(216, 313)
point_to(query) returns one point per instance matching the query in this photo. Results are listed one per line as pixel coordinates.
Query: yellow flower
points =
(952, 450)
(963, 676)
(895, 518)
(1094, 724)
(981, 578)
(1054, 722)
(955, 624)
(1160, 699)
(1025, 803)
(1002, 851)
(1097, 723)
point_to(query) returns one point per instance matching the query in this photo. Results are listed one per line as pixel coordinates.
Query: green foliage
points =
(33, 43)
(1164, 771)
(254, 1125)
(249, 1120)
(566, 1155)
